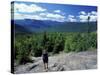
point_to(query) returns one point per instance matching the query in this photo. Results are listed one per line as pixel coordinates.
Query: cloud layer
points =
(83, 16)
(71, 18)
(27, 8)
(33, 11)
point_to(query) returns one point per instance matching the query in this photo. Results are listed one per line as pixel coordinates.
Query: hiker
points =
(45, 59)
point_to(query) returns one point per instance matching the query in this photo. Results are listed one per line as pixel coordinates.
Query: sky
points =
(53, 12)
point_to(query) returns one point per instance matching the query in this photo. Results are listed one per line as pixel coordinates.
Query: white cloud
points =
(32, 17)
(71, 18)
(55, 15)
(22, 7)
(18, 16)
(82, 13)
(93, 18)
(57, 11)
(25, 16)
(94, 13)
(84, 17)
(41, 16)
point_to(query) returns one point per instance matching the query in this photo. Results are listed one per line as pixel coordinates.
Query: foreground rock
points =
(62, 62)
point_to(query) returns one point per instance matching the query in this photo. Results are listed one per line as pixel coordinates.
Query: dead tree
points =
(88, 20)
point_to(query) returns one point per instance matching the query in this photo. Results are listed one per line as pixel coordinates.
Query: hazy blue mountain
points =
(35, 23)
(77, 27)
(29, 25)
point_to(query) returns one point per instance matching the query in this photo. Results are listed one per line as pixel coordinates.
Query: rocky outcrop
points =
(62, 62)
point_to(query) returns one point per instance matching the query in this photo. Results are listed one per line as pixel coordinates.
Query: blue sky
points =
(54, 12)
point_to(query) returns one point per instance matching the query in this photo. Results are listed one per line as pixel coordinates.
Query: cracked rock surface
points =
(61, 62)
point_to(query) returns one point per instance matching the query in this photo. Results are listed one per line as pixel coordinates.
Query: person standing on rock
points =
(45, 59)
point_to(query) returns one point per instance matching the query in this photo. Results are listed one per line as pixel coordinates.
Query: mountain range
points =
(31, 25)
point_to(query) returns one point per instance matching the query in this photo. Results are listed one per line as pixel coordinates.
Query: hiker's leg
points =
(47, 65)
(44, 66)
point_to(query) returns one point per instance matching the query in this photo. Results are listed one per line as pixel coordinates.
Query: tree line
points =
(26, 45)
